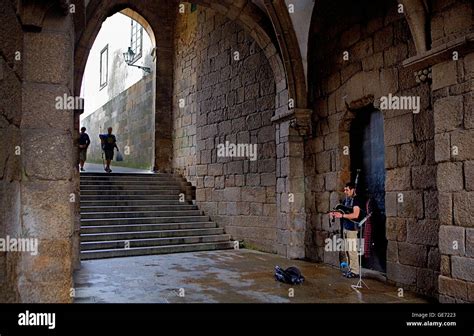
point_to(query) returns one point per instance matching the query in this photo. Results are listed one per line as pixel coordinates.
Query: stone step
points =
(131, 187)
(128, 192)
(146, 211)
(136, 177)
(143, 220)
(137, 251)
(132, 202)
(134, 181)
(137, 183)
(139, 214)
(149, 242)
(149, 197)
(136, 208)
(109, 236)
(146, 227)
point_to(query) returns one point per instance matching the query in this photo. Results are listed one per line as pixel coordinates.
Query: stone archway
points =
(161, 17)
(142, 21)
(126, 101)
(417, 16)
(249, 16)
(155, 20)
(291, 119)
(373, 68)
(279, 30)
(288, 43)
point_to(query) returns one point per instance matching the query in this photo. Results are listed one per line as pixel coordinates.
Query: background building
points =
(118, 95)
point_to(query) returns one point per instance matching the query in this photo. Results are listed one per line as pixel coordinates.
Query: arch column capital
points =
(297, 119)
(32, 13)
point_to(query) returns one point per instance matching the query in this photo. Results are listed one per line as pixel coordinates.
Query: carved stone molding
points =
(299, 120)
(32, 13)
(441, 53)
(361, 103)
(422, 76)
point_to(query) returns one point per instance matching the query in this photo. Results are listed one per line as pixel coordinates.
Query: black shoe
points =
(351, 275)
(82, 169)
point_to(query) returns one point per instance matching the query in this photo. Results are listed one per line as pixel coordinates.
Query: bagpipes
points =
(343, 209)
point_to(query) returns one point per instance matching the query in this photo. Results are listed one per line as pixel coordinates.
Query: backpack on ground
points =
(291, 275)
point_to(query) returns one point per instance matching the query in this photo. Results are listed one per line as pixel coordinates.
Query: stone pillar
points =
(163, 106)
(11, 45)
(451, 59)
(49, 181)
(291, 128)
(454, 127)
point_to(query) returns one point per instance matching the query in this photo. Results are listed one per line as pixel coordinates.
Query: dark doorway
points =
(368, 155)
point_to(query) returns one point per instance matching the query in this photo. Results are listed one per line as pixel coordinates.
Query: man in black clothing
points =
(350, 225)
(109, 143)
(84, 142)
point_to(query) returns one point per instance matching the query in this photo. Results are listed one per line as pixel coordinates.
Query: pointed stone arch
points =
(96, 13)
(289, 48)
(251, 18)
(244, 12)
(416, 12)
(161, 15)
(154, 18)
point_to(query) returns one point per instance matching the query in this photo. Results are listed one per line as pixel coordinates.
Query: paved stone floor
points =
(233, 276)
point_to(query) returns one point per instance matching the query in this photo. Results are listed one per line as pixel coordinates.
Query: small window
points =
(104, 66)
(136, 40)
(193, 7)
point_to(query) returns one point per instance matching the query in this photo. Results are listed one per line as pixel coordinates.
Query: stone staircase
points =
(126, 214)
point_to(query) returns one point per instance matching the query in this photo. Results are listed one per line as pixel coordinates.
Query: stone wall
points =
(130, 114)
(11, 75)
(38, 175)
(453, 87)
(226, 99)
(49, 163)
(377, 40)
